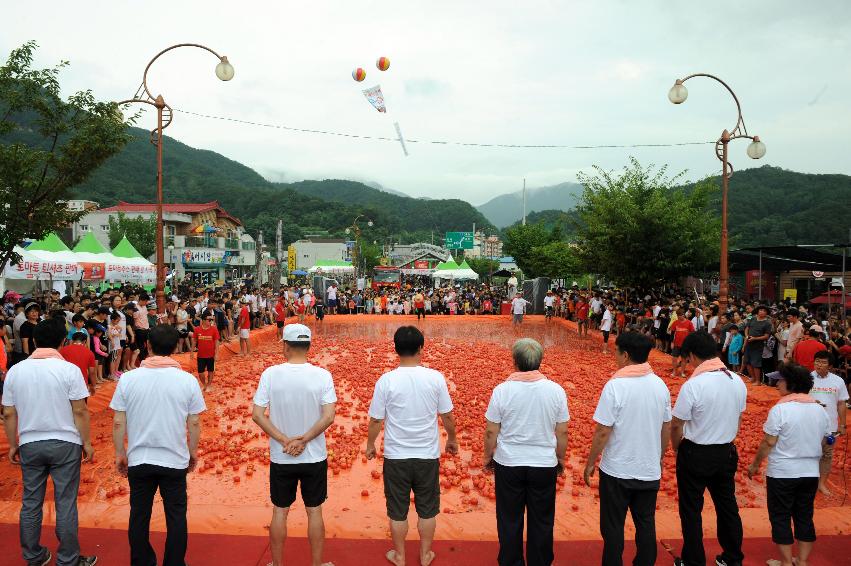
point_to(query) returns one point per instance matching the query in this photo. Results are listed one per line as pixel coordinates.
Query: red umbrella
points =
(832, 297)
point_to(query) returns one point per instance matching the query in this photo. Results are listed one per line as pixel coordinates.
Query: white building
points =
(308, 252)
(202, 239)
(485, 247)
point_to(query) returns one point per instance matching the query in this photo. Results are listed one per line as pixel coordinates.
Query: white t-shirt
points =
(409, 399)
(606, 324)
(800, 429)
(527, 414)
(332, 293)
(595, 305)
(549, 300)
(829, 391)
(295, 394)
(711, 404)
(157, 403)
(656, 310)
(635, 408)
(41, 392)
(518, 305)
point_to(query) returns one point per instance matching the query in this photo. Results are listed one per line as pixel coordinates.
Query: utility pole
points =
(279, 250)
(258, 258)
(524, 201)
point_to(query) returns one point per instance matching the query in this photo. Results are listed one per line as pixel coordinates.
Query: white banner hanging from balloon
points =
(376, 98)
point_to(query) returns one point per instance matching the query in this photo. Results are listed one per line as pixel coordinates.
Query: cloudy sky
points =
(532, 72)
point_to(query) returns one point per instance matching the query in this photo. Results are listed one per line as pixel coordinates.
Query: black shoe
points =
(720, 561)
(47, 558)
(87, 561)
(678, 561)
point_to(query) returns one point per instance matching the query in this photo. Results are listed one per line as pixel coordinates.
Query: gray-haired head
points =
(527, 354)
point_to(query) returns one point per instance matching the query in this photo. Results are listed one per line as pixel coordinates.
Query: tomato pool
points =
(229, 491)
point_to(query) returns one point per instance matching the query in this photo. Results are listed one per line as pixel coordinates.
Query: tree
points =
(638, 230)
(483, 266)
(554, 260)
(141, 231)
(521, 240)
(62, 143)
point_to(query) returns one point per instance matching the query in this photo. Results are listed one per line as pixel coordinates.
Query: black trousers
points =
(791, 500)
(713, 467)
(420, 312)
(616, 496)
(531, 491)
(144, 481)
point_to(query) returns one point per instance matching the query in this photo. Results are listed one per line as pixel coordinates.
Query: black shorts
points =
(123, 344)
(142, 338)
(675, 351)
(206, 364)
(791, 500)
(412, 474)
(284, 479)
(605, 336)
(753, 357)
(280, 323)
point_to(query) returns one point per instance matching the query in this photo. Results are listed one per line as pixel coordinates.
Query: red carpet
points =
(207, 550)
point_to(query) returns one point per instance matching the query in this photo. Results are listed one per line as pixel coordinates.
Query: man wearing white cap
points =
(301, 403)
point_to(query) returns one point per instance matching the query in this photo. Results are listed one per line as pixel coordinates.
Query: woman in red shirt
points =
(244, 325)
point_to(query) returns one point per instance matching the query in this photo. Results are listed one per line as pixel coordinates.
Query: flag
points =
(375, 97)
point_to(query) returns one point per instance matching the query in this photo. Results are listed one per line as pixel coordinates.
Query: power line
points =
(435, 142)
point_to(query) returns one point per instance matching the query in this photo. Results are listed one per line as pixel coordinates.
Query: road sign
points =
(459, 240)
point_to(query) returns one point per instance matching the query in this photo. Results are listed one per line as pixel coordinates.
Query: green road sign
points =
(459, 240)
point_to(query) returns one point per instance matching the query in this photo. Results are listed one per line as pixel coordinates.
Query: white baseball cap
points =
(296, 333)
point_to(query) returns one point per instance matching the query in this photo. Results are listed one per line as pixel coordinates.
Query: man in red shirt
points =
(680, 328)
(805, 352)
(281, 313)
(79, 354)
(582, 309)
(244, 325)
(205, 340)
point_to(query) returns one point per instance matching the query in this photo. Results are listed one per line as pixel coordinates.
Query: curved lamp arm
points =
(756, 149)
(226, 68)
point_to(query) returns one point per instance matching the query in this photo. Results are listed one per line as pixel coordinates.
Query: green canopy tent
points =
(50, 243)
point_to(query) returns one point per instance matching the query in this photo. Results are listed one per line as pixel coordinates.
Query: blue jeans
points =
(61, 461)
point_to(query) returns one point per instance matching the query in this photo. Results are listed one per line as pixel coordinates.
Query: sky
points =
(535, 73)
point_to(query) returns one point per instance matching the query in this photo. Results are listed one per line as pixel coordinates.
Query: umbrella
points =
(298, 272)
(832, 297)
(502, 273)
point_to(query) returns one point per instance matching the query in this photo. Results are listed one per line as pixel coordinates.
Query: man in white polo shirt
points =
(831, 392)
(706, 421)
(47, 425)
(633, 420)
(407, 401)
(518, 308)
(301, 404)
(154, 406)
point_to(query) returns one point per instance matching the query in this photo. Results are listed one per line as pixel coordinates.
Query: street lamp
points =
(756, 150)
(225, 72)
(355, 229)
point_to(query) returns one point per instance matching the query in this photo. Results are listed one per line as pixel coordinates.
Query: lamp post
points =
(756, 150)
(355, 229)
(224, 71)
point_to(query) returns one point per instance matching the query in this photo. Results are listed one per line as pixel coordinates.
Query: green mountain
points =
(420, 214)
(552, 218)
(770, 206)
(197, 175)
(505, 210)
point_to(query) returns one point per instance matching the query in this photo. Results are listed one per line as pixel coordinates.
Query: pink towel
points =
(160, 362)
(634, 370)
(526, 376)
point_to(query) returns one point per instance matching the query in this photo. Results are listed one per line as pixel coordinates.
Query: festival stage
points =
(229, 510)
